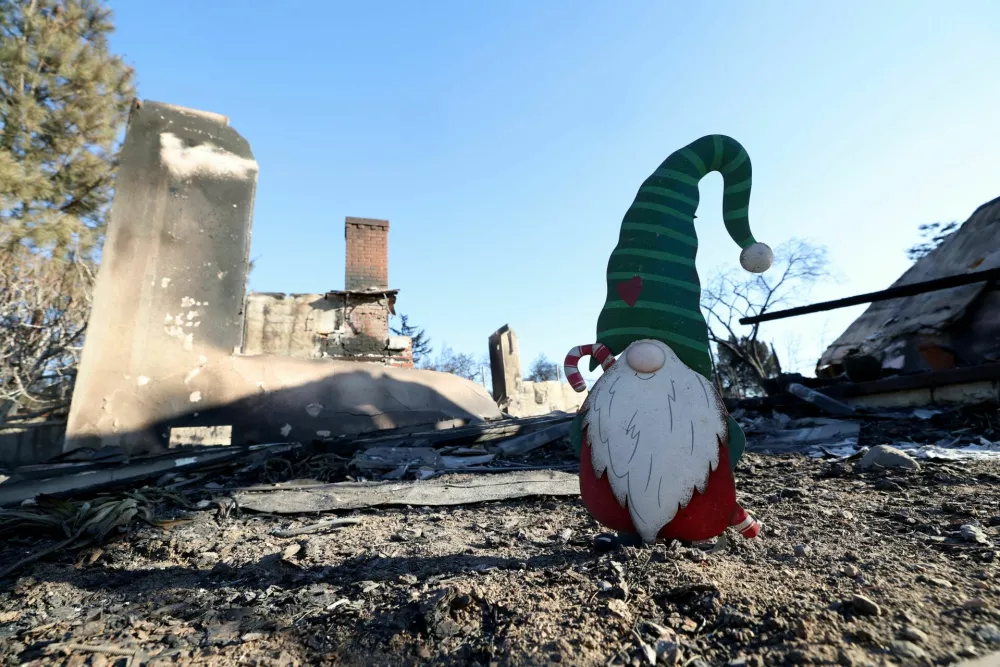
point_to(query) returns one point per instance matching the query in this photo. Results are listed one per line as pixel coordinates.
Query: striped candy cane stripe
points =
(571, 365)
(745, 523)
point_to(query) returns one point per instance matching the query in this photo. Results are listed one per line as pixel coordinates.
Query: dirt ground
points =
(852, 569)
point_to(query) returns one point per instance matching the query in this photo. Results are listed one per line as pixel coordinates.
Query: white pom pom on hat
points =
(757, 258)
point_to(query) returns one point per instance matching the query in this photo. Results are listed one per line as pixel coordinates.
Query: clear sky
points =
(505, 140)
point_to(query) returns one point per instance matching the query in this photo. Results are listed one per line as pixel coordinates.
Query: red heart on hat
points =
(629, 290)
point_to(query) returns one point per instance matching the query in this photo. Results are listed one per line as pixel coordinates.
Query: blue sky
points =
(505, 140)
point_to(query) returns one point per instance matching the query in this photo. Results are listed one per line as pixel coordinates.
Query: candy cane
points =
(598, 351)
(744, 522)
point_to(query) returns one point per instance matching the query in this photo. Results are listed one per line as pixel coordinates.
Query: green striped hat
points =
(653, 286)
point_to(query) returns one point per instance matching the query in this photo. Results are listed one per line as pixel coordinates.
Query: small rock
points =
(605, 542)
(207, 559)
(801, 550)
(621, 590)
(409, 579)
(619, 608)
(974, 534)
(988, 633)
(851, 571)
(697, 555)
(658, 631)
(847, 657)
(448, 628)
(461, 601)
(905, 649)
(648, 651)
(222, 633)
(9, 616)
(407, 534)
(937, 581)
(975, 603)
(884, 456)
(797, 657)
(740, 635)
(865, 606)
(565, 535)
(803, 629)
(914, 634)
(367, 586)
(866, 636)
(667, 652)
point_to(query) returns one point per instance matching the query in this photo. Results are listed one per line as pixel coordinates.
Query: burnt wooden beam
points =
(924, 380)
(913, 289)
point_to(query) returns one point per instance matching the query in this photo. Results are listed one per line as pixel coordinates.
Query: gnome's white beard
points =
(657, 438)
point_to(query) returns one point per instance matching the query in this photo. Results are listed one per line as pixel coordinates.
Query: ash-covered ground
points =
(886, 568)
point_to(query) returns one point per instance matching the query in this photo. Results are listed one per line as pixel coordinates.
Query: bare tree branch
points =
(731, 296)
(44, 305)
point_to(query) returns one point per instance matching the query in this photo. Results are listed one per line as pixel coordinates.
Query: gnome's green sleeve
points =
(653, 286)
(576, 433)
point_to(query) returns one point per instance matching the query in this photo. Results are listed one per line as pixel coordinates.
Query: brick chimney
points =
(367, 253)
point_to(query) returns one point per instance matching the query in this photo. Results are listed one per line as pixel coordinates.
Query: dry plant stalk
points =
(81, 523)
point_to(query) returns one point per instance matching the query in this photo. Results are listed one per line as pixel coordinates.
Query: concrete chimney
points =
(367, 254)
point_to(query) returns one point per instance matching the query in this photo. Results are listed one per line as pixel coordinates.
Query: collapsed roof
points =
(963, 321)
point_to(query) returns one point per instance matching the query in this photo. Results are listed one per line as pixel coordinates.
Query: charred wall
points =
(353, 327)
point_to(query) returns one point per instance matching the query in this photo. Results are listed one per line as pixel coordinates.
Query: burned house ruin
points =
(350, 324)
(175, 349)
(937, 330)
(933, 337)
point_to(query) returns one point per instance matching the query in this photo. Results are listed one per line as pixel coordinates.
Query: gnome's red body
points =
(706, 516)
(654, 456)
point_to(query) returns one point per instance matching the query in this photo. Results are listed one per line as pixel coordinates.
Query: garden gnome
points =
(657, 446)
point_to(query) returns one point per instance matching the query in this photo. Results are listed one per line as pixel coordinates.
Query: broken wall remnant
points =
(164, 343)
(959, 326)
(519, 397)
(350, 324)
(316, 326)
(541, 398)
(290, 325)
(169, 291)
(505, 365)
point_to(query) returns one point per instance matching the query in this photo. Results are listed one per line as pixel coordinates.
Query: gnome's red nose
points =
(645, 357)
